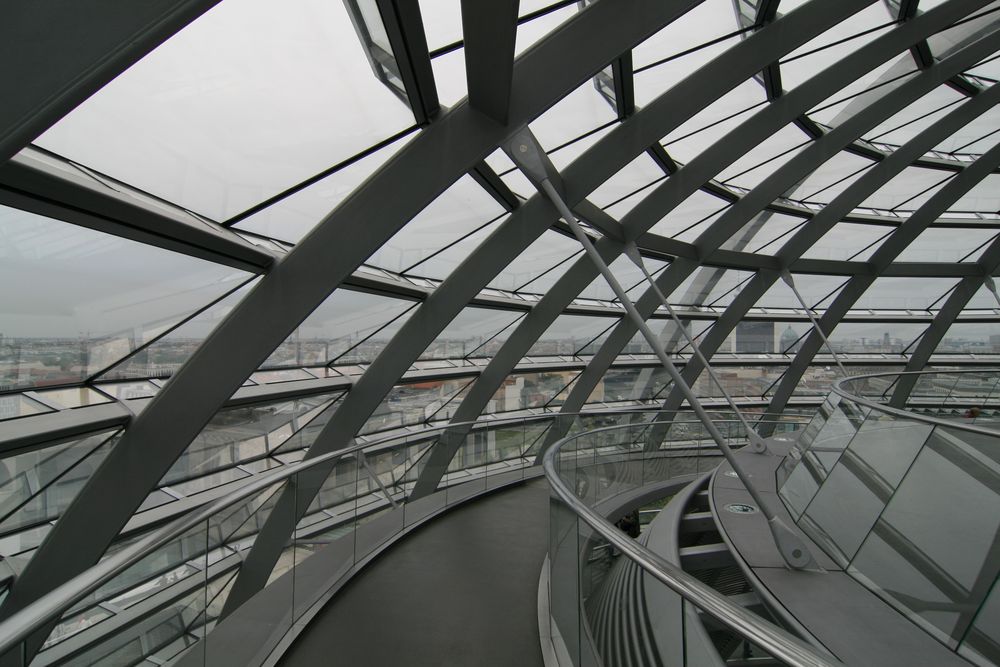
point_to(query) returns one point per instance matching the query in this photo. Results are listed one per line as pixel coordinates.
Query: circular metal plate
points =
(741, 508)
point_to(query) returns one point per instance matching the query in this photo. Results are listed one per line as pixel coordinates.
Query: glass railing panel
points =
(325, 547)
(981, 643)
(888, 444)
(467, 473)
(974, 389)
(853, 496)
(931, 388)
(815, 464)
(931, 549)
(843, 511)
(173, 579)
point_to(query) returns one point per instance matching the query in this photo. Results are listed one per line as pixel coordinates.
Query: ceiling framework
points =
(835, 140)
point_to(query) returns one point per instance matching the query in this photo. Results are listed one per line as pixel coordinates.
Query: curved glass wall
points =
(873, 182)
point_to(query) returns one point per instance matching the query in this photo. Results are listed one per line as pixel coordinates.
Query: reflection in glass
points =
(75, 301)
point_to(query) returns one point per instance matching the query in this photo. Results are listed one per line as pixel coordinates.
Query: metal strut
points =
(787, 277)
(524, 150)
(991, 285)
(757, 443)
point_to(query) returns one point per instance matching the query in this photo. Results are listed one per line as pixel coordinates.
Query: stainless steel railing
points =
(776, 641)
(47, 610)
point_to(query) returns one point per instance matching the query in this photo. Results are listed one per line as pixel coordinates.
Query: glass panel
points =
(457, 211)
(983, 197)
(762, 160)
(879, 82)
(471, 332)
(76, 301)
(847, 240)
(714, 121)
(887, 445)
(571, 334)
(532, 390)
(125, 391)
(908, 189)
(906, 124)
(843, 511)
(348, 327)
(966, 139)
(164, 356)
(412, 403)
(800, 69)
(244, 433)
(818, 460)
(708, 21)
(449, 77)
(671, 338)
(694, 214)
(291, 218)
(438, 265)
(17, 405)
(631, 384)
(278, 376)
(982, 643)
(917, 293)
(637, 174)
(76, 397)
(38, 485)
(766, 233)
(832, 178)
(936, 539)
(629, 276)
(581, 111)
(184, 115)
(540, 265)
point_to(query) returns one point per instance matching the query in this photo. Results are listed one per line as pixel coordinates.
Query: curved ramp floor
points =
(461, 590)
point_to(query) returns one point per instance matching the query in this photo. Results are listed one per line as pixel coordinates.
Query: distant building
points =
(754, 337)
(790, 340)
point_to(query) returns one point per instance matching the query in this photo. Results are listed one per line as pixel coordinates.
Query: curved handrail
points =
(50, 606)
(778, 642)
(906, 414)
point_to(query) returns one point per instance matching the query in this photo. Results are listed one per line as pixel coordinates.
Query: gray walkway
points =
(460, 591)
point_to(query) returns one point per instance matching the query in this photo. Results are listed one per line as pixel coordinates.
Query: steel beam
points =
(779, 182)
(49, 63)
(946, 316)
(526, 224)
(883, 257)
(308, 274)
(489, 30)
(818, 152)
(267, 549)
(32, 181)
(613, 152)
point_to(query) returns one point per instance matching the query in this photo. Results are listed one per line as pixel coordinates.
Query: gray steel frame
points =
(953, 305)
(66, 64)
(308, 274)
(748, 206)
(608, 156)
(421, 171)
(884, 256)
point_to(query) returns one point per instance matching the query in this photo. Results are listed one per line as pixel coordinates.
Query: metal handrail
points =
(48, 607)
(773, 639)
(914, 416)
